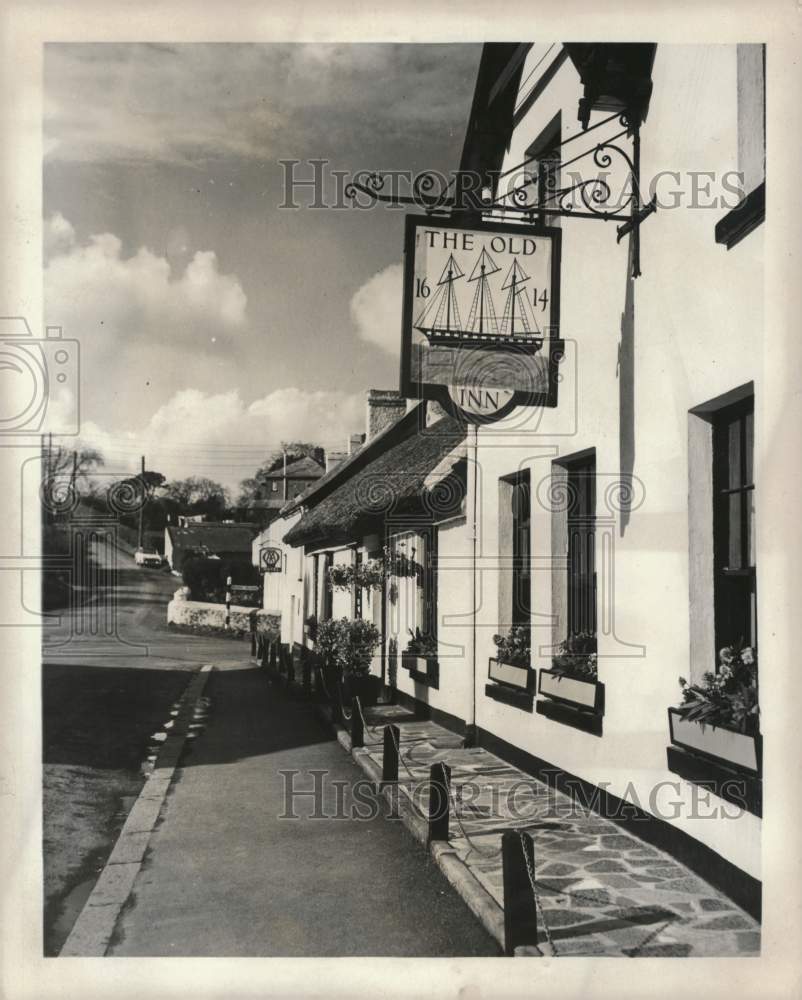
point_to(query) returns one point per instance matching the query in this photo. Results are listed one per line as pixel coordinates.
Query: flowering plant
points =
(513, 648)
(399, 564)
(577, 657)
(341, 576)
(366, 576)
(348, 644)
(422, 645)
(728, 697)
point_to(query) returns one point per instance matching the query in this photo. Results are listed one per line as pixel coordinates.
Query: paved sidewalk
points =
(603, 891)
(225, 876)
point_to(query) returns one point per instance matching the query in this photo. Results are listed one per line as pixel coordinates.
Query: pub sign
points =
(481, 315)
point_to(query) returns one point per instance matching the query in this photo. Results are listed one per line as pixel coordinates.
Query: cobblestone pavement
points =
(602, 891)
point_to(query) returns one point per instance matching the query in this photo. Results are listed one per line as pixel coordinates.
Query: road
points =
(224, 873)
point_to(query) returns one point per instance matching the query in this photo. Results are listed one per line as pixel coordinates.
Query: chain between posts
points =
(400, 755)
(469, 840)
(535, 894)
(370, 729)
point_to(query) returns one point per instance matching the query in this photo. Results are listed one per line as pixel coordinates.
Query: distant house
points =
(281, 485)
(226, 541)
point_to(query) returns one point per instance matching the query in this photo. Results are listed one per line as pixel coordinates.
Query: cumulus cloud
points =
(221, 436)
(94, 286)
(59, 235)
(376, 309)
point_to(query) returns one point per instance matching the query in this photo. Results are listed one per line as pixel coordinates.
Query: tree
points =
(249, 489)
(76, 465)
(198, 495)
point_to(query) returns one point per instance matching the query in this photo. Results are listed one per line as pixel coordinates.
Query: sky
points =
(213, 323)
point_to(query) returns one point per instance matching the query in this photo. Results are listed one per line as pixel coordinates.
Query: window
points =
(573, 544)
(581, 515)
(326, 605)
(357, 591)
(734, 597)
(413, 593)
(515, 551)
(521, 552)
(274, 486)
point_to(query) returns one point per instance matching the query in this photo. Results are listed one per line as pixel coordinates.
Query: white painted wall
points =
(696, 334)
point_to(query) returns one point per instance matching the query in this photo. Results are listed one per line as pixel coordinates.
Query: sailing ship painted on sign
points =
(441, 323)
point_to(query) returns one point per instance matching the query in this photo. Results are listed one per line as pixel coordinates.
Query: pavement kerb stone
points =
(475, 896)
(93, 930)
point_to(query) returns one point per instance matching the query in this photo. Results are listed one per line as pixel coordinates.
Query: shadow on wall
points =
(626, 398)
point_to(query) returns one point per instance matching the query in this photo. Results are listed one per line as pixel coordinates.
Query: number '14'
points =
(543, 299)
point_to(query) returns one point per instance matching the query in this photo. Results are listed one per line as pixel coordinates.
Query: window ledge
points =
(742, 219)
(510, 696)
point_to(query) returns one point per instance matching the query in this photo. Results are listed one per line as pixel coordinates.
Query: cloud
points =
(185, 104)
(58, 235)
(220, 436)
(93, 287)
(376, 309)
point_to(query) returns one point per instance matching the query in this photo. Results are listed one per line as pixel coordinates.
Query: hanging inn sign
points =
(481, 315)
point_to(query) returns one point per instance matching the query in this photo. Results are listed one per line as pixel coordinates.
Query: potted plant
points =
(512, 664)
(420, 657)
(573, 677)
(366, 576)
(399, 564)
(720, 717)
(347, 646)
(341, 576)
(370, 575)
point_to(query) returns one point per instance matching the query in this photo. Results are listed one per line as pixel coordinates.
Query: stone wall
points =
(203, 614)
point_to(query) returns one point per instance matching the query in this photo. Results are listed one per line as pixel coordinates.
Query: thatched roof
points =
(392, 483)
(214, 536)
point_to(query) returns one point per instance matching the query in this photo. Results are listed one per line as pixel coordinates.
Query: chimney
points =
(355, 442)
(385, 406)
(335, 458)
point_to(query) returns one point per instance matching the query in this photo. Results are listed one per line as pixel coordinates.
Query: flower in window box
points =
(513, 648)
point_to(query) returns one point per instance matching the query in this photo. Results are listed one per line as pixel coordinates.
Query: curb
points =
(92, 931)
(473, 893)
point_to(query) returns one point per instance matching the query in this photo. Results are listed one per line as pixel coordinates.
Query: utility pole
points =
(142, 505)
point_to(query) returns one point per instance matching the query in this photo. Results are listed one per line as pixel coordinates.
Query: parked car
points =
(147, 557)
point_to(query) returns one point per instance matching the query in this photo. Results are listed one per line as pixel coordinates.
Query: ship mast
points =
(516, 278)
(482, 318)
(444, 304)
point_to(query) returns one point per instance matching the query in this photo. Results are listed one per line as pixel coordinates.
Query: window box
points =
(725, 762)
(573, 702)
(511, 684)
(511, 674)
(736, 750)
(423, 669)
(587, 695)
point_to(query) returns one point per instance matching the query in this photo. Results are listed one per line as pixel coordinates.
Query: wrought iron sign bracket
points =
(533, 189)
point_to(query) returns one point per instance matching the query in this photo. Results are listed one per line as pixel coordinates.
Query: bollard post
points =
(390, 754)
(520, 911)
(357, 729)
(439, 777)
